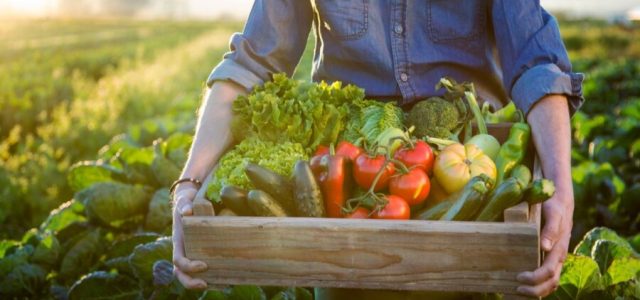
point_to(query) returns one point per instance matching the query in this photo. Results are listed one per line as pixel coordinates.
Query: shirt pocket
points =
(455, 20)
(343, 19)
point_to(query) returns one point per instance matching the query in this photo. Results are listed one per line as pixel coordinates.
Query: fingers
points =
(545, 288)
(189, 282)
(189, 266)
(544, 280)
(183, 201)
(552, 228)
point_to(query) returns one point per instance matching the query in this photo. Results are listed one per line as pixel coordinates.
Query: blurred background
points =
(106, 91)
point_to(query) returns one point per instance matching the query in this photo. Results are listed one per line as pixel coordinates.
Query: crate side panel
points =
(402, 255)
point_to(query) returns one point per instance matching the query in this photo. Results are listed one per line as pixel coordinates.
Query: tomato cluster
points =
(393, 184)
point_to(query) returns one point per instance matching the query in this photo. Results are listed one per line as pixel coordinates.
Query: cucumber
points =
(507, 194)
(235, 199)
(274, 184)
(436, 211)
(263, 205)
(469, 201)
(226, 212)
(308, 195)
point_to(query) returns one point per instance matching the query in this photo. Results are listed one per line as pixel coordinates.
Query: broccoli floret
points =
(434, 117)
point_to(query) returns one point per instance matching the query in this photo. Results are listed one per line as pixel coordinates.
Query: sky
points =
(240, 8)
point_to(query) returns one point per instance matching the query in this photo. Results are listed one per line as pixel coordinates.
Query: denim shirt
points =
(399, 49)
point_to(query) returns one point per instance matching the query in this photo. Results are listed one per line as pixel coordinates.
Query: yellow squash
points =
(458, 163)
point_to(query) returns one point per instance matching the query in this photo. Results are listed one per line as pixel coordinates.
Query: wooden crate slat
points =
(407, 255)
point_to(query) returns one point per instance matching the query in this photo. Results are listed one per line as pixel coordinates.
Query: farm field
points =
(96, 119)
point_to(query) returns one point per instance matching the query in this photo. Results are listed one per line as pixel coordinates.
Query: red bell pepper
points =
(333, 172)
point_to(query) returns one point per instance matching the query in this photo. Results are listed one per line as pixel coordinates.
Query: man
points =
(399, 50)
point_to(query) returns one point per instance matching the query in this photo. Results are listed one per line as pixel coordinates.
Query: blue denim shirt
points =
(399, 49)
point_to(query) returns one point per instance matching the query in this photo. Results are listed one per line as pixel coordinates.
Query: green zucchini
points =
(469, 201)
(307, 192)
(263, 205)
(522, 173)
(235, 199)
(507, 194)
(274, 184)
(541, 190)
(436, 211)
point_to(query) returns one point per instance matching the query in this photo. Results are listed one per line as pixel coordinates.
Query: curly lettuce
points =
(286, 110)
(278, 157)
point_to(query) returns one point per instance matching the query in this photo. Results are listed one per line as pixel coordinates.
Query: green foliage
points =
(603, 266)
(278, 157)
(369, 118)
(286, 110)
(159, 215)
(113, 203)
(99, 284)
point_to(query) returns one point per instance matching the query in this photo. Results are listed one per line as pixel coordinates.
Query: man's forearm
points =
(213, 134)
(551, 130)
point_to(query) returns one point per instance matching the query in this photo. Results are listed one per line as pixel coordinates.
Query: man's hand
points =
(554, 240)
(182, 265)
(550, 126)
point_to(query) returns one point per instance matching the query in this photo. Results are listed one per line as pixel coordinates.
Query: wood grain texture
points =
(377, 254)
(518, 213)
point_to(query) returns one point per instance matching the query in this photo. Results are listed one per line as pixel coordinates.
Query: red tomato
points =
(321, 150)
(349, 150)
(365, 169)
(359, 213)
(396, 209)
(413, 186)
(420, 156)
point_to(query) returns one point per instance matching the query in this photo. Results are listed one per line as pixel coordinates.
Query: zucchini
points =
(469, 201)
(235, 199)
(522, 173)
(507, 194)
(308, 195)
(436, 211)
(541, 190)
(274, 184)
(263, 205)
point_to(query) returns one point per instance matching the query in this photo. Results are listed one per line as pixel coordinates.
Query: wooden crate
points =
(367, 254)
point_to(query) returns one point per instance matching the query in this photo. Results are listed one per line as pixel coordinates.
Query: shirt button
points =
(398, 28)
(404, 76)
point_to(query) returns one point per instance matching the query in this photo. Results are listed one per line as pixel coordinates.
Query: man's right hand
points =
(182, 266)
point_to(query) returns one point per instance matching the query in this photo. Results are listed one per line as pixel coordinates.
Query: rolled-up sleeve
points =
(532, 55)
(272, 41)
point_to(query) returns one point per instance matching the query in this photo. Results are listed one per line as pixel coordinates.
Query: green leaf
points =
(82, 254)
(103, 285)
(6, 245)
(604, 252)
(48, 250)
(246, 292)
(213, 295)
(597, 233)
(623, 269)
(111, 203)
(293, 293)
(120, 264)
(159, 213)
(25, 280)
(83, 174)
(144, 256)
(164, 170)
(124, 246)
(61, 217)
(580, 276)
